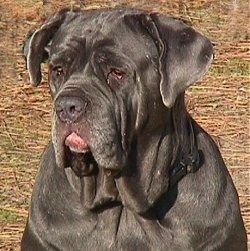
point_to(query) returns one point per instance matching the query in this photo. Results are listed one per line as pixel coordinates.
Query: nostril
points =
(73, 109)
(58, 108)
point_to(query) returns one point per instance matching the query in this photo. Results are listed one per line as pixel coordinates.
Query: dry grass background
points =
(220, 102)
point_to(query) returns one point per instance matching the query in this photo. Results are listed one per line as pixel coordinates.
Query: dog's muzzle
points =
(73, 133)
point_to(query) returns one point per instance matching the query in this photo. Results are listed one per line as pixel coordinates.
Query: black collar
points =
(188, 163)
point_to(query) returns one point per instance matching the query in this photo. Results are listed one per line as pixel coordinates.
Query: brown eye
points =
(58, 71)
(118, 74)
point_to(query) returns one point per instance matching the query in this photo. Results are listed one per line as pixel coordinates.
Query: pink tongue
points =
(76, 143)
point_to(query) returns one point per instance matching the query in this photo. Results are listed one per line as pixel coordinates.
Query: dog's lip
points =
(76, 143)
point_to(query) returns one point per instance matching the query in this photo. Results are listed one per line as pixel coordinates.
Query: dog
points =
(127, 167)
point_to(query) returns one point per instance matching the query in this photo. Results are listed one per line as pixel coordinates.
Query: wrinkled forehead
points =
(104, 29)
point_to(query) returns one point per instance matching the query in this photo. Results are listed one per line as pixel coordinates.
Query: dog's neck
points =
(153, 155)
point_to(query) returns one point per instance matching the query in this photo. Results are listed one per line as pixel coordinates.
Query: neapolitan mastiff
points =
(127, 168)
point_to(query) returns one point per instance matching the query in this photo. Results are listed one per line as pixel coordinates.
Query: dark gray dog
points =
(128, 168)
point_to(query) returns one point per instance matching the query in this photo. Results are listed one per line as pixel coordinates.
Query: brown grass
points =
(220, 102)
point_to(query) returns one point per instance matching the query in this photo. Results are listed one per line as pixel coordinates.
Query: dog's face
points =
(114, 76)
(98, 65)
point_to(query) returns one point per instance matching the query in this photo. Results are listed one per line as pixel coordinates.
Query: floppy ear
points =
(185, 55)
(35, 46)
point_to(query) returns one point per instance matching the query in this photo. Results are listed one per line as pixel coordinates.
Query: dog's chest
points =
(112, 230)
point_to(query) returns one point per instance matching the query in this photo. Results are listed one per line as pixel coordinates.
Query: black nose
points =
(70, 109)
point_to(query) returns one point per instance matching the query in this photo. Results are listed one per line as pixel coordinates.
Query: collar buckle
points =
(189, 163)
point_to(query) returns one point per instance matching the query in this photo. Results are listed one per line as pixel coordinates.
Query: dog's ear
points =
(35, 47)
(184, 54)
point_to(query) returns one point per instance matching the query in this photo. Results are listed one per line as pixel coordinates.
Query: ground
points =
(219, 102)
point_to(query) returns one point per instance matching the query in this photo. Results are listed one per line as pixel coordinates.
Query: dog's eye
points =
(58, 71)
(117, 74)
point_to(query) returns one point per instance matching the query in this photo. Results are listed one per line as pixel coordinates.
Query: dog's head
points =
(114, 76)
